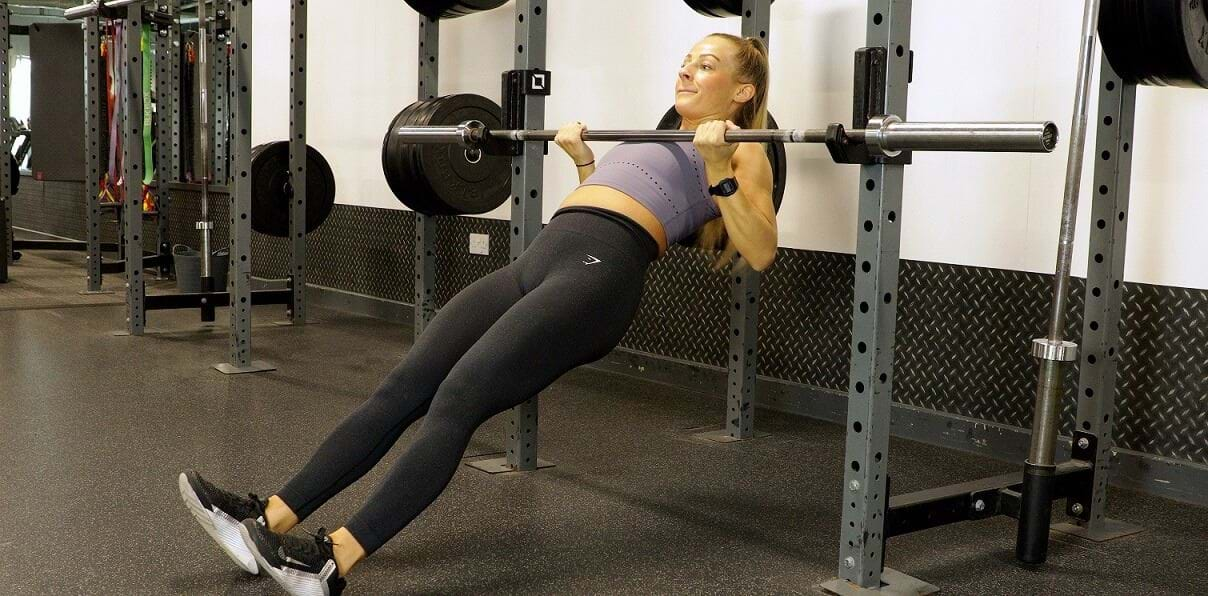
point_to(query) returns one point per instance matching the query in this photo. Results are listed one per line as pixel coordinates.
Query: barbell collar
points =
(1055, 351)
(877, 134)
(886, 135)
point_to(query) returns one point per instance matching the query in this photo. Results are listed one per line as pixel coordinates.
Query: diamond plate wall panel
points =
(1162, 403)
(963, 340)
(456, 268)
(54, 207)
(186, 212)
(358, 249)
(363, 250)
(684, 311)
(270, 256)
(59, 208)
(805, 318)
(963, 332)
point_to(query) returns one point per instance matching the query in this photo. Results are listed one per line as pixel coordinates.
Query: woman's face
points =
(707, 87)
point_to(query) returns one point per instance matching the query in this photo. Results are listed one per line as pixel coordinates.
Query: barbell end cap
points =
(1051, 137)
(471, 133)
(1054, 351)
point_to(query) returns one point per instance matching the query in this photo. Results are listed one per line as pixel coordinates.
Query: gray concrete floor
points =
(95, 427)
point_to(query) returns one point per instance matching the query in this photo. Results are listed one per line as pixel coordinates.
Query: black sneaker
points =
(219, 513)
(303, 566)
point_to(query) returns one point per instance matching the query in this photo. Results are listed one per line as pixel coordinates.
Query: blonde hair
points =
(752, 68)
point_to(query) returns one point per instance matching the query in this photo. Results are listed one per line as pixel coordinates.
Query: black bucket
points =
(188, 269)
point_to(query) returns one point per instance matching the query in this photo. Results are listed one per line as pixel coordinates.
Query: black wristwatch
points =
(724, 188)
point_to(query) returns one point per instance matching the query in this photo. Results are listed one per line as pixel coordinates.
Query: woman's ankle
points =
(346, 549)
(278, 516)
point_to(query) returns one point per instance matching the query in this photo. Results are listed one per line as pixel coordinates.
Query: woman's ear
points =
(745, 93)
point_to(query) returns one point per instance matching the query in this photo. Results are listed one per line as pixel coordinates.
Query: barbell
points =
(95, 8)
(438, 156)
(887, 135)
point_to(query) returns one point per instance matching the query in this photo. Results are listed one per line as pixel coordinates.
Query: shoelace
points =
(319, 546)
(258, 504)
(320, 536)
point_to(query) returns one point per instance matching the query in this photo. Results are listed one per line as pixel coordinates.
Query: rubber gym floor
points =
(95, 427)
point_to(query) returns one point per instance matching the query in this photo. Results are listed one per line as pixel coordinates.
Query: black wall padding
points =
(57, 107)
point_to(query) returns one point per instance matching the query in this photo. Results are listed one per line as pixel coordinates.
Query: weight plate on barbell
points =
(434, 205)
(717, 8)
(14, 171)
(271, 193)
(430, 202)
(433, 9)
(405, 182)
(469, 7)
(443, 179)
(467, 184)
(1157, 42)
(451, 9)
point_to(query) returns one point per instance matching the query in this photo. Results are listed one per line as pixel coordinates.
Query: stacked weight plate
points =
(451, 9)
(1157, 42)
(445, 179)
(717, 8)
(271, 192)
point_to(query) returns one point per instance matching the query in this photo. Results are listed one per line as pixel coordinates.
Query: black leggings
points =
(567, 301)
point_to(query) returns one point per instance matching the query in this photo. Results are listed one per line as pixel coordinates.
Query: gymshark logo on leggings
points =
(591, 260)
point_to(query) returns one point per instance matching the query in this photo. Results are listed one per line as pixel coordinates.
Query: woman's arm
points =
(749, 214)
(585, 171)
(570, 139)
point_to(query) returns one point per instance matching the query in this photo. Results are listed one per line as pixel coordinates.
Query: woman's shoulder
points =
(751, 151)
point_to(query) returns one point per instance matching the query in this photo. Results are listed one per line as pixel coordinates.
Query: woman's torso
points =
(616, 201)
(660, 187)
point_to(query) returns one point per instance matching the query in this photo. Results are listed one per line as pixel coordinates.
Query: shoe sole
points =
(225, 533)
(292, 584)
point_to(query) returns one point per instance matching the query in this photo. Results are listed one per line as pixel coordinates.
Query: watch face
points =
(725, 188)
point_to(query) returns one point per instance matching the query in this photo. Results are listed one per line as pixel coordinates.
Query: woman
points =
(567, 301)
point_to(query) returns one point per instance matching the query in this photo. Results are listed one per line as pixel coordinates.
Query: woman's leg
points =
(579, 310)
(366, 434)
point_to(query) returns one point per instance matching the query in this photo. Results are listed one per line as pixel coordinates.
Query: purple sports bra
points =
(667, 178)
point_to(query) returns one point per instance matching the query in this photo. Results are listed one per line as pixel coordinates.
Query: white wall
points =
(19, 72)
(614, 65)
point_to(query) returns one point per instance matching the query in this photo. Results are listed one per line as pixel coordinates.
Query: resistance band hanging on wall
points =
(148, 197)
(113, 187)
(111, 179)
(187, 80)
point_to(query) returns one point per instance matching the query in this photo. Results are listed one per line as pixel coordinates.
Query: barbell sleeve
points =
(93, 9)
(1010, 137)
(887, 135)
